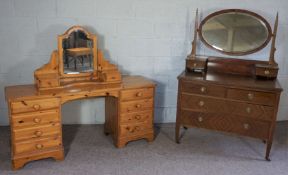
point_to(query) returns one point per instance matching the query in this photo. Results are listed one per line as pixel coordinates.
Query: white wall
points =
(146, 37)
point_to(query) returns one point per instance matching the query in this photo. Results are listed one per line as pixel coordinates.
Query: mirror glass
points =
(235, 32)
(77, 53)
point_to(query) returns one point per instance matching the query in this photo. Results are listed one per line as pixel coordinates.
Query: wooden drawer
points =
(227, 123)
(136, 117)
(264, 98)
(203, 104)
(139, 105)
(35, 118)
(135, 129)
(135, 94)
(37, 145)
(37, 132)
(204, 89)
(34, 105)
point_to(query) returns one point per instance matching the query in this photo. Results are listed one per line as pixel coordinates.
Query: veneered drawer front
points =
(37, 132)
(204, 89)
(135, 94)
(222, 122)
(37, 145)
(135, 129)
(35, 118)
(134, 106)
(136, 117)
(203, 104)
(34, 105)
(264, 98)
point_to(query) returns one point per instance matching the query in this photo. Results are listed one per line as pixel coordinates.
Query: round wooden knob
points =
(248, 110)
(129, 129)
(201, 103)
(195, 64)
(139, 94)
(36, 107)
(266, 72)
(38, 133)
(250, 96)
(37, 120)
(203, 89)
(137, 128)
(246, 126)
(138, 106)
(39, 146)
(200, 119)
(138, 117)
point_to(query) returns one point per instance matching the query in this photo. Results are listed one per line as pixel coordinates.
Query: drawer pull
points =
(203, 89)
(139, 94)
(138, 117)
(37, 120)
(201, 103)
(200, 119)
(39, 146)
(250, 96)
(138, 106)
(36, 107)
(246, 126)
(38, 133)
(195, 64)
(248, 110)
(266, 72)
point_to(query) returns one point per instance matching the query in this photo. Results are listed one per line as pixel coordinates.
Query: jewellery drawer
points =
(210, 90)
(136, 117)
(37, 132)
(135, 94)
(133, 106)
(35, 118)
(34, 105)
(203, 104)
(227, 123)
(134, 129)
(264, 98)
(37, 145)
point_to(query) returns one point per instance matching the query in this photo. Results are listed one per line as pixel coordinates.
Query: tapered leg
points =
(268, 148)
(177, 133)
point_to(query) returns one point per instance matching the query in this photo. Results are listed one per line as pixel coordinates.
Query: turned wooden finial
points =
(194, 42)
(273, 48)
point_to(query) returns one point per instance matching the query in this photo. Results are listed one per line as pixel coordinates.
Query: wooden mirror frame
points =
(260, 18)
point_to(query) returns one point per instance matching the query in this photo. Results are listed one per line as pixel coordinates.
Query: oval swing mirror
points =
(235, 32)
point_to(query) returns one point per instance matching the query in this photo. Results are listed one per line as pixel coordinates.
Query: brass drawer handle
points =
(266, 72)
(39, 146)
(138, 106)
(250, 96)
(248, 110)
(200, 119)
(37, 120)
(246, 126)
(139, 94)
(203, 89)
(201, 103)
(137, 117)
(36, 107)
(38, 133)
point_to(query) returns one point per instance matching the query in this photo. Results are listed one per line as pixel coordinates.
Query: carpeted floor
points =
(201, 152)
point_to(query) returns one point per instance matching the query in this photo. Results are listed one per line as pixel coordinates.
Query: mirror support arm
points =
(194, 42)
(273, 48)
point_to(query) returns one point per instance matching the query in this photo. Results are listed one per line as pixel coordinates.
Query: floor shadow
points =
(69, 133)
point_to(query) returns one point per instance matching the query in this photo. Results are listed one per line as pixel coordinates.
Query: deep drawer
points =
(135, 129)
(136, 117)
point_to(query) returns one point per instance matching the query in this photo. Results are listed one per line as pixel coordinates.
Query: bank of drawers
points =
(136, 112)
(216, 107)
(35, 125)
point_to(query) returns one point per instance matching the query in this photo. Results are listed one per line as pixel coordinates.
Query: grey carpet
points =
(201, 152)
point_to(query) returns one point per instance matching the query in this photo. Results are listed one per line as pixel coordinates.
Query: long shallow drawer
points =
(133, 106)
(264, 98)
(37, 132)
(35, 118)
(204, 89)
(136, 117)
(135, 94)
(222, 122)
(37, 145)
(34, 105)
(135, 129)
(203, 104)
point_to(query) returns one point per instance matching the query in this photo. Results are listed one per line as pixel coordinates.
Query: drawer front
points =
(204, 89)
(35, 119)
(135, 129)
(227, 123)
(38, 145)
(136, 94)
(34, 105)
(134, 106)
(264, 98)
(136, 117)
(251, 110)
(37, 132)
(203, 104)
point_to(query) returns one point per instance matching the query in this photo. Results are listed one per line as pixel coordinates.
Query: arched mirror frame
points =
(268, 27)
